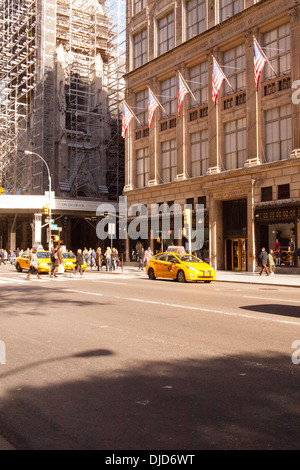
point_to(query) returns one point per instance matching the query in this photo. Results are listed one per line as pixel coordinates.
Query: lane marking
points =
(271, 300)
(188, 307)
(82, 292)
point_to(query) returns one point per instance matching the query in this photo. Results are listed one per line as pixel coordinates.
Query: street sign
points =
(111, 229)
(48, 220)
(54, 227)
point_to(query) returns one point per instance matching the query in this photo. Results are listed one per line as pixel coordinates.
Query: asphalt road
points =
(117, 362)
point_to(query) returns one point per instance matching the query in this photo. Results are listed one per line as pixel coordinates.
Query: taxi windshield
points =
(189, 258)
(43, 254)
(68, 255)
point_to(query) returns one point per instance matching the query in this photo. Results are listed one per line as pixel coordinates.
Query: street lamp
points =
(28, 152)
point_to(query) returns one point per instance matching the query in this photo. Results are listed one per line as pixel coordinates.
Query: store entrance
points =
(236, 254)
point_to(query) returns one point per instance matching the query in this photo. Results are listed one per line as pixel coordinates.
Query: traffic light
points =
(187, 217)
(46, 210)
(56, 238)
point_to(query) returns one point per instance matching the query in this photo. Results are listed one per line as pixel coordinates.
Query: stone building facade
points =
(240, 156)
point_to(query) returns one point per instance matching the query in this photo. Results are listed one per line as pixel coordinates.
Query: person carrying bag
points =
(33, 265)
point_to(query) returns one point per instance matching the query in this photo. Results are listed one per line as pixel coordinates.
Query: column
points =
(253, 108)
(154, 151)
(251, 249)
(181, 135)
(295, 77)
(214, 125)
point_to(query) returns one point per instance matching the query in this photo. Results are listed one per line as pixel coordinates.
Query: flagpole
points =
(257, 127)
(217, 130)
(263, 54)
(187, 87)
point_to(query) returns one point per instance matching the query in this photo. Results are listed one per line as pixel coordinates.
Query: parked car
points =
(180, 267)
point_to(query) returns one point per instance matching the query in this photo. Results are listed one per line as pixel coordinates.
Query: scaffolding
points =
(18, 56)
(65, 106)
(116, 86)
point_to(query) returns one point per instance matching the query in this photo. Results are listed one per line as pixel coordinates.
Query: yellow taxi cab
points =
(179, 266)
(44, 261)
(69, 260)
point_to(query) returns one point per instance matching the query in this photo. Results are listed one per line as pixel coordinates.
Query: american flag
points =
(182, 91)
(126, 118)
(152, 105)
(259, 62)
(217, 79)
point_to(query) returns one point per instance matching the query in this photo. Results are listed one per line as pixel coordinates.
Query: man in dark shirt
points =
(263, 258)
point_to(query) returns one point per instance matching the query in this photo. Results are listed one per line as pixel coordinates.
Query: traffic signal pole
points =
(29, 152)
(188, 223)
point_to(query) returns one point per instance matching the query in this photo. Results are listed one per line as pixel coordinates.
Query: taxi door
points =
(170, 267)
(25, 261)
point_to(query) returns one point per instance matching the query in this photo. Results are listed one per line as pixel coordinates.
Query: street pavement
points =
(282, 279)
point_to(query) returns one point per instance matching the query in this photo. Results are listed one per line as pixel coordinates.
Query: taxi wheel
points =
(18, 268)
(151, 274)
(180, 276)
(207, 282)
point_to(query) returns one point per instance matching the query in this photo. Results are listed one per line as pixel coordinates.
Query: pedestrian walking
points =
(99, 259)
(115, 258)
(141, 257)
(58, 260)
(107, 256)
(263, 258)
(148, 255)
(33, 269)
(79, 262)
(271, 262)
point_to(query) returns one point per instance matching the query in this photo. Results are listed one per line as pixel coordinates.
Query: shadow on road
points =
(275, 309)
(23, 301)
(245, 402)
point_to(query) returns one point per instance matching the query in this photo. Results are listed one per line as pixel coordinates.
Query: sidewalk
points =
(287, 279)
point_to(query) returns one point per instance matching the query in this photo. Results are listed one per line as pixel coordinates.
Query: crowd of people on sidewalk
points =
(9, 256)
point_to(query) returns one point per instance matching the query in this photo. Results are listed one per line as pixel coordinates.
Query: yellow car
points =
(69, 260)
(181, 267)
(44, 261)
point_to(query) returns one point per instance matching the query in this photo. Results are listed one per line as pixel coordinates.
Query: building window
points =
(140, 49)
(142, 167)
(199, 83)
(168, 160)
(229, 8)
(235, 144)
(202, 201)
(199, 153)
(277, 49)
(284, 191)
(234, 69)
(141, 103)
(267, 193)
(195, 17)
(168, 96)
(191, 203)
(166, 33)
(278, 129)
(139, 5)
